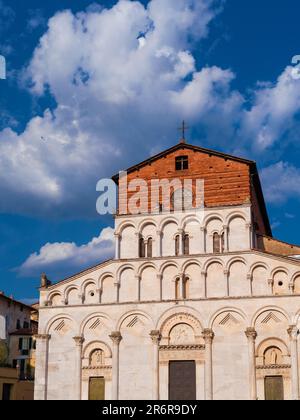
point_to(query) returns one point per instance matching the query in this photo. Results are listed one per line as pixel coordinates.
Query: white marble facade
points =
(236, 313)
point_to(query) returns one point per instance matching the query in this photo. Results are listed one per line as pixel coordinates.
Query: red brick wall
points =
(227, 182)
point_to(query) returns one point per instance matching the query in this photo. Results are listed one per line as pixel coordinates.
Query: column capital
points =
(159, 276)
(293, 332)
(155, 336)
(226, 272)
(208, 335)
(159, 232)
(117, 284)
(292, 287)
(117, 235)
(43, 337)
(271, 282)
(79, 340)
(203, 229)
(225, 227)
(116, 337)
(251, 334)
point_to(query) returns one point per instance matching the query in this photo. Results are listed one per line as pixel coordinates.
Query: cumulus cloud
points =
(122, 78)
(111, 91)
(68, 255)
(281, 182)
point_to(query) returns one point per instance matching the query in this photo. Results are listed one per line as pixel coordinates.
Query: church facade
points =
(197, 304)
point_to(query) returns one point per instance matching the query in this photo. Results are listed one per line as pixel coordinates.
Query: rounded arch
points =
(145, 223)
(188, 219)
(259, 264)
(143, 267)
(241, 313)
(266, 309)
(167, 264)
(69, 289)
(212, 216)
(278, 269)
(296, 318)
(295, 276)
(57, 318)
(211, 261)
(53, 294)
(272, 342)
(103, 276)
(123, 226)
(94, 345)
(130, 313)
(234, 260)
(167, 220)
(123, 268)
(86, 283)
(86, 320)
(186, 264)
(234, 215)
(185, 310)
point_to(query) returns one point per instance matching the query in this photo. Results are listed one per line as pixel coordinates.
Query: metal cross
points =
(183, 129)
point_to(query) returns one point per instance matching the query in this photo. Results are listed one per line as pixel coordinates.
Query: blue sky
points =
(87, 84)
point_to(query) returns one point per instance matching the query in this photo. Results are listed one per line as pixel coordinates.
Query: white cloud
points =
(69, 255)
(122, 79)
(281, 182)
(273, 112)
(111, 95)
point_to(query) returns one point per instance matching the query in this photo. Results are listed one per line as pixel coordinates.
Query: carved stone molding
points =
(251, 334)
(182, 347)
(208, 335)
(293, 332)
(155, 336)
(116, 337)
(273, 367)
(43, 337)
(78, 340)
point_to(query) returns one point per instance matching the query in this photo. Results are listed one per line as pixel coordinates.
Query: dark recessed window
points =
(182, 163)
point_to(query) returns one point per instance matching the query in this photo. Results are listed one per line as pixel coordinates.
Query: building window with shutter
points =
(182, 163)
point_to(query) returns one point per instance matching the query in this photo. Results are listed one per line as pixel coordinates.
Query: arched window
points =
(216, 243)
(177, 240)
(149, 248)
(186, 245)
(186, 291)
(142, 248)
(177, 289)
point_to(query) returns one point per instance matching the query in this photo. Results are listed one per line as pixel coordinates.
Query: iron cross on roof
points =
(183, 129)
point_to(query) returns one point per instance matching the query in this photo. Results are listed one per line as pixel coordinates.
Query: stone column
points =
(208, 336)
(159, 243)
(78, 342)
(117, 286)
(226, 235)
(155, 337)
(293, 333)
(292, 288)
(249, 228)
(251, 334)
(138, 282)
(204, 278)
(42, 354)
(117, 245)
(116, 339)
(180, 233)
(226, 279)
(160, 279)
(271, 286)
(203, 239)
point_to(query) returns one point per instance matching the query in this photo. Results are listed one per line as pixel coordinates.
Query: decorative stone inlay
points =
(273, 367)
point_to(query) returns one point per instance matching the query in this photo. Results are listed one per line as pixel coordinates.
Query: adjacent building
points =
(18, 326)
(201, 303)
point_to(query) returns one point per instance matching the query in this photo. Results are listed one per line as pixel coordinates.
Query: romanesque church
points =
(190, 308)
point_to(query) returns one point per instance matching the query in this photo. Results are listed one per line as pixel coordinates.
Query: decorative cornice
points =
(273, 367)
(183, 347)
(97, 367)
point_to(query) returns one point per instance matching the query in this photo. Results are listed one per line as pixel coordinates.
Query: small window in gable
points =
(182, 163)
